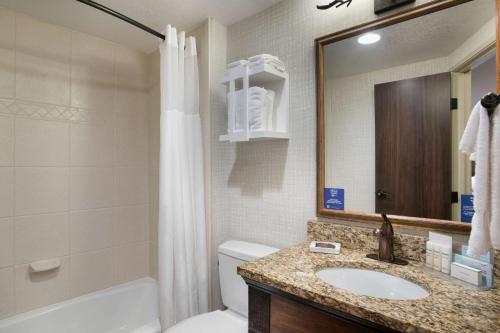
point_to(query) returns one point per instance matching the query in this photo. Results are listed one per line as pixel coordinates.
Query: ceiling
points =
(429, 37)
(184, 14)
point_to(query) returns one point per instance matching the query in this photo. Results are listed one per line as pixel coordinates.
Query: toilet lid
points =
(212, 322)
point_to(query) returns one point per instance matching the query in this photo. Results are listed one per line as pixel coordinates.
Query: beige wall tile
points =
(91, 145)
(6, 242)
(7, 295)
(131, 261)
(6, 140)
(91, 230)
(41, 190)
(42, 61)
(35, 290)
(131, 224)
(92, 72)
(131, 186)
(91, 271)
(153, 259)
(41, 143)
(131, 81)
(130, 142)
(131, 67)
(91, 187)
(130, 100)
(7, 53)
(40, 237)
(6, 191)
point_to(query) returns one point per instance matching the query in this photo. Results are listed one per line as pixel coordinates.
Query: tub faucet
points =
(385, 236)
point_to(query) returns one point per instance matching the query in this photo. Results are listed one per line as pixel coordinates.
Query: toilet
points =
(234, 292)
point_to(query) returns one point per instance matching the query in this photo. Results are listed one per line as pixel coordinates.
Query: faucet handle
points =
(377, 232)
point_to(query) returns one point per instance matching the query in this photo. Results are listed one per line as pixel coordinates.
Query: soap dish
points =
(324, 247)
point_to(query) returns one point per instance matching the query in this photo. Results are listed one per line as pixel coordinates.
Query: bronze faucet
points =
(385, 236)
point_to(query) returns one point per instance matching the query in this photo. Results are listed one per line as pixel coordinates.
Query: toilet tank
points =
(234, 290)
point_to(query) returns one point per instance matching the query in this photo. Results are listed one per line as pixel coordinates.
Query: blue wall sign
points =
(334, 198)
(467, 207)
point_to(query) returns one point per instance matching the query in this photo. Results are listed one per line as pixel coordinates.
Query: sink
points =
(372, 283)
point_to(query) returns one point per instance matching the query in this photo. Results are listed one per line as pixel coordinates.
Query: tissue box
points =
(466, 273)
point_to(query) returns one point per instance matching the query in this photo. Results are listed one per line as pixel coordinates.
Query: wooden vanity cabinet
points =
(273, 311)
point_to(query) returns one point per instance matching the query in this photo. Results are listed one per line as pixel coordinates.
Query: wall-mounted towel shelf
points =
(261, 75)
(239, 81)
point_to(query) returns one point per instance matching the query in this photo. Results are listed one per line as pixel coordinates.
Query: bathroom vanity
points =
(286, 295)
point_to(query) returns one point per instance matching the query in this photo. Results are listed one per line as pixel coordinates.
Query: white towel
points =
(261, 57)
(237, 63)
(476, 142)
(495, 179)
(266, 59)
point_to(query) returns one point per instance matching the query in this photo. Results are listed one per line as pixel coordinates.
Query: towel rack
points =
(490, 102)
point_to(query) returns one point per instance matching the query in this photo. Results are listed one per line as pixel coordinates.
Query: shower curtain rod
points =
(121, 17)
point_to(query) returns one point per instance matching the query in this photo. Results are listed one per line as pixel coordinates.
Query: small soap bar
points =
(325, 247)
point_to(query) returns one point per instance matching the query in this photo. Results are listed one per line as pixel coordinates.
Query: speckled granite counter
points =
(451, 307)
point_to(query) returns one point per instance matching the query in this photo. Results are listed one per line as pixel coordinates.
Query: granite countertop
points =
(451, 306)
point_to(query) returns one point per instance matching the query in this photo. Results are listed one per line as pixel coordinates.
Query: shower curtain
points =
(182, 266)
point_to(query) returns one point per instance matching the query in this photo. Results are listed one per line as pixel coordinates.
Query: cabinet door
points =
(288, 316)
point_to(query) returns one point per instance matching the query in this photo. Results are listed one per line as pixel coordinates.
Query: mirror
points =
(393, 103)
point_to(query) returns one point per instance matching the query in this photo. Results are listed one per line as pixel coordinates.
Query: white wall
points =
(266, 191)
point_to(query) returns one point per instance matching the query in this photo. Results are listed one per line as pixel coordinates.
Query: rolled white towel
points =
(237, 63)
(261, 57)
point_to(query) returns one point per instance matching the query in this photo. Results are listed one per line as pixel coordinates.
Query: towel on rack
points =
(263, 59)
(481, 140)
(260, 108)
(237, 63)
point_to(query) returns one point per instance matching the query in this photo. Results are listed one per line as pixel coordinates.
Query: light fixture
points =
(368, 38)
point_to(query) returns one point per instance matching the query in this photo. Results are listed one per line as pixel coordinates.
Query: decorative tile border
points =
(44, 111)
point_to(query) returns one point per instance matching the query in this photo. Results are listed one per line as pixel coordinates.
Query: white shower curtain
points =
(182, 266)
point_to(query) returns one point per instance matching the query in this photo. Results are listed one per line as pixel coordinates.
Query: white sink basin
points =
(372, 283)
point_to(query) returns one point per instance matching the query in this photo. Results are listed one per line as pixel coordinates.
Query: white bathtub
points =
(130, 308)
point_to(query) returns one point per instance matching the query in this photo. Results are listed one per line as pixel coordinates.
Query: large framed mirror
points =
(393, 98)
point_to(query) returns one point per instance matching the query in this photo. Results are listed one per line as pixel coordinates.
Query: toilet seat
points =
(212, 322)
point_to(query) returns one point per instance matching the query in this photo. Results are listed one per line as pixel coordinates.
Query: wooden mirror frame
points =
(320, 43)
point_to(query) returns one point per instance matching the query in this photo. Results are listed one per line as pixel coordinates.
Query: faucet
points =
(385, 236)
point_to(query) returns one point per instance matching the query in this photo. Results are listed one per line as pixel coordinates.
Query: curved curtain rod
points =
(121, 17)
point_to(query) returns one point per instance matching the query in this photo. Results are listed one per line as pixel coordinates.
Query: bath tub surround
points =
(450, 307)
(127, 308)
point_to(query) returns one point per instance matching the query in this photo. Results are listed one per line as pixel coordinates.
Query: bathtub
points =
(127, 308)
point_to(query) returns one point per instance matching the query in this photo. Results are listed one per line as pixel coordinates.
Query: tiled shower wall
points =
(73, 163)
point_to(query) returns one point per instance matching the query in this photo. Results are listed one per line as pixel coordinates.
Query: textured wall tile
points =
(271, 185)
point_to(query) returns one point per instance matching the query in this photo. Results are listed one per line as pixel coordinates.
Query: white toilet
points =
(233, 289)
